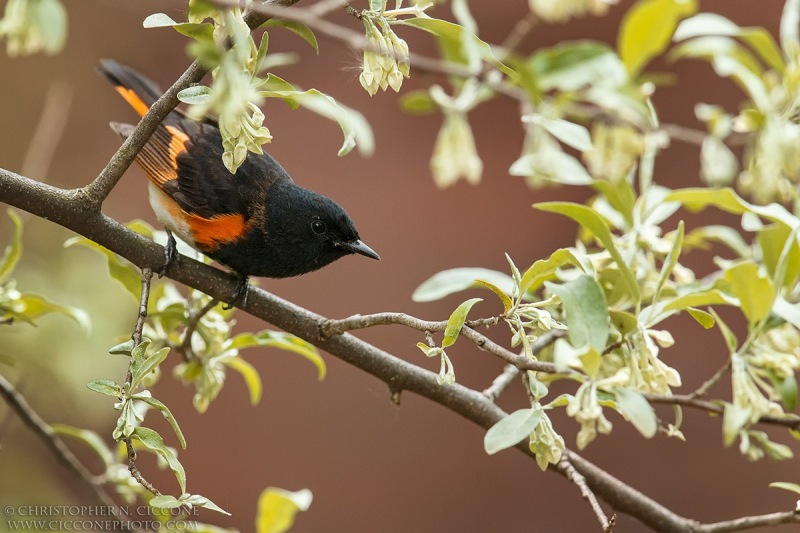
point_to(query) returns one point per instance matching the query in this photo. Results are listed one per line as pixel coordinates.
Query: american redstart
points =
(257, 221)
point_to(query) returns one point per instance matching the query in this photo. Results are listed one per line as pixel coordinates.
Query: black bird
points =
(257, 221)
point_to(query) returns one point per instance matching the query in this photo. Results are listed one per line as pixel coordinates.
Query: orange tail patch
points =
(133, 99)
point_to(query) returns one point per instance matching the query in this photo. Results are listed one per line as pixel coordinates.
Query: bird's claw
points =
(239, 293)
(170, 254)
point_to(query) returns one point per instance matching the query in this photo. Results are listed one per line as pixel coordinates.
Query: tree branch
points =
(42, 429)
(586, 493)
(336, 327)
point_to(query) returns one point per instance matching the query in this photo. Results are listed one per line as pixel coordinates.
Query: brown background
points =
(372, 466)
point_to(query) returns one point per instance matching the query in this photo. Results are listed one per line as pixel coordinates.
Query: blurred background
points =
(371, 465)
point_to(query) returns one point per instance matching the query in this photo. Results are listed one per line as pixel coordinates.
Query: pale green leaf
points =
(504, 298)
(755, 291)
(454, 280)
(569, 133)
(700, 237)
(158, 20)
(780, 253)
(623, 321)
(155, 443)
(785, 485)
(195, 95)
(703, 318)
(417, 102)
(89, 438)
(277, 509)
(593, 222)
(282, 341)
(727, 334)
(787, 311)
(165, 501)
(355, 128)
(790, 29)
(545, 269)
(637, 410)
(647, 28)
(572, 65)
(167, 414)
(670, 261)
(710, 47)
(192, 500)
(250, 375)
(105, 386)
(147, 365)
(119, 269)
(552, 165)
(511, 430)
(124, 348)
(456, 321)
(586, 311)
(32, 306)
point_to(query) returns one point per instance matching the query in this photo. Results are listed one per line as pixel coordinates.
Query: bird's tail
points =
(139, 91)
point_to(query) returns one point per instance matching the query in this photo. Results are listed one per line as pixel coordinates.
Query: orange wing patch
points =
(133, 100)
(210, 233)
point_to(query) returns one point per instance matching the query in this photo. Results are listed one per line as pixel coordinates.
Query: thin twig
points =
(42, 429)
(750, 522)
(185, 347)
(789, 421)
(501, 382)
(147, 277)
(337, 327)
(586, 493)
(706, 386)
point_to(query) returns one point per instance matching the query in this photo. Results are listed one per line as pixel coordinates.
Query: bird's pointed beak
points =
(358, 247)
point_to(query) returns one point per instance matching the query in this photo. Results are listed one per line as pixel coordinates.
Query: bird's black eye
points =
(318, 227)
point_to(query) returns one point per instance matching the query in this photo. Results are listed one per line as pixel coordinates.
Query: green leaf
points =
(593, 222)
(377, 6)
(297, 28)
(790, 29)
(165, 501)
(124, 348)
(586, 311)
(572, 65)
(710, 47)
(14, 249)
(772, 240)
(277, 509)
(785, 485)
(620, 196)
(697, 199)
(757, 38)
(454, 39)
(89, 438)
(167, 414)
(155, 443)
(569, 133)
(623, 321)
(552, 165)
(755, 291)
(787, 311)
(704, 319)
(456, 321)
(105, 386)
(545, 269)
(158, 20)
(670, 261)
(192, 500)
(119, 269)
(355, 128)
(141, 371)
(250, 375)
(511, 430)
(454, 280)
(33, 306)
(504, 298)
(647, 28)
(726, 235)
(787, 388)
(195, 95)
(637, 410)
(282, 341)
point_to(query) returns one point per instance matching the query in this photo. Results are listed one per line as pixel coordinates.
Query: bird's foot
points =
(170, 254)
(239, 294)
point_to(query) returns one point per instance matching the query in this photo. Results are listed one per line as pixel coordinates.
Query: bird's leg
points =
(170, 253)
(240, 293)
